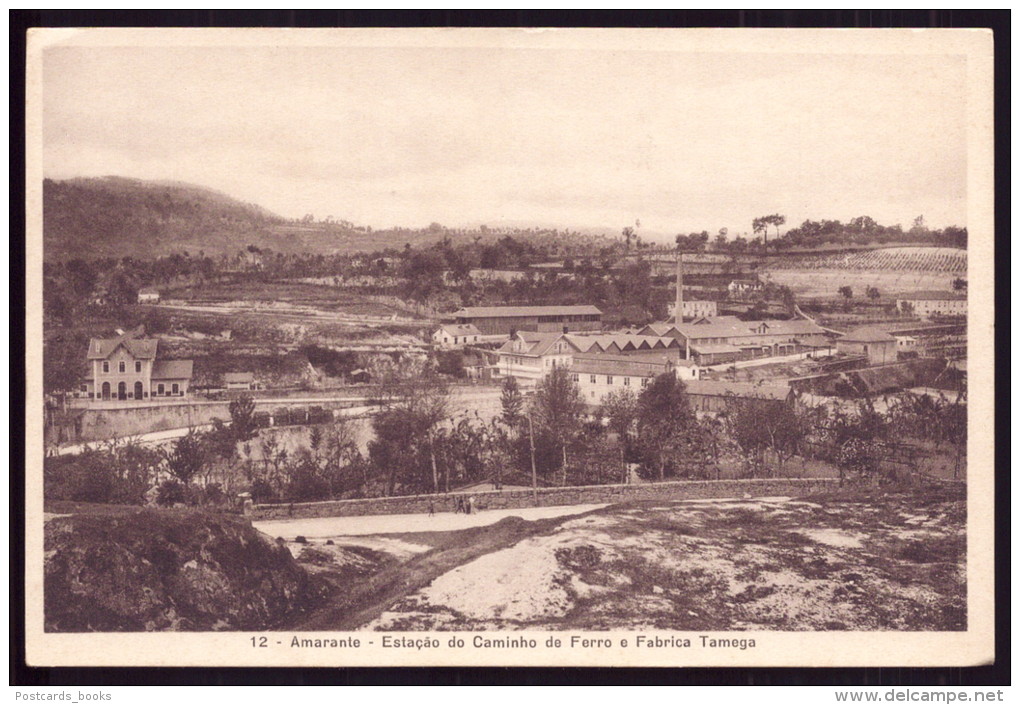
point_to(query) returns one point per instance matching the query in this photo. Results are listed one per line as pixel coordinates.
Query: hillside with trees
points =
(117, 217)
(114, 217)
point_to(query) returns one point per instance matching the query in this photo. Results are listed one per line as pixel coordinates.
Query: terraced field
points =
(893, 259)
(892, 270)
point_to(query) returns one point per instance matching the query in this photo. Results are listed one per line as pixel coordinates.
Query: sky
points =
(561, 137)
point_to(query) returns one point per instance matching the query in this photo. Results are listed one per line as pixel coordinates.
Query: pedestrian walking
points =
(471, 505)
(432, 508)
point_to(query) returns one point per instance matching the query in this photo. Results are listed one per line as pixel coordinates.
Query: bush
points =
(114, 475)
(171, 492)
(213, 495)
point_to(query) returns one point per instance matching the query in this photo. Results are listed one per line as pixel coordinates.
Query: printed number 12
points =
(261, 642)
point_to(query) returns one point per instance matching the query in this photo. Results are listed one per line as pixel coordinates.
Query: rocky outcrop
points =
(169, 570)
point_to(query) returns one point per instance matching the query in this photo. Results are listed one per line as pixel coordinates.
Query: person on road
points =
(432, 508)
(471, 505)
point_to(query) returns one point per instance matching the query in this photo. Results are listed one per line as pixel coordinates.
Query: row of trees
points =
(550, 437)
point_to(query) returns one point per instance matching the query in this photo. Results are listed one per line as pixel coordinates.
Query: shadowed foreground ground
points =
(838, 562)
(850, 561)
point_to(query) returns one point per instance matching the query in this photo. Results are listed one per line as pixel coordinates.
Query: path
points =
(332, 527)
(365, 600)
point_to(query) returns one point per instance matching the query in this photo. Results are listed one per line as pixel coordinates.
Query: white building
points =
(148, 295)
(696, 309)
(241, 380)
(879, 346)
(927, 304)
(530, 356)
(598, 375)
(456, 335)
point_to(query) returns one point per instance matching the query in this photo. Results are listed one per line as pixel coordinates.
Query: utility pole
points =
(534, 473)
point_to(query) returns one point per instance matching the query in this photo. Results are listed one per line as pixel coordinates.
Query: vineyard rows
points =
(892, 259)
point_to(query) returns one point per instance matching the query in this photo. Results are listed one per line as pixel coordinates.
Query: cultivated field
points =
(826, 282)
(292, 294)
(892, 270)
(895, 259)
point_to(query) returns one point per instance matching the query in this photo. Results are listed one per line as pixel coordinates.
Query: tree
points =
(758, 424)
(959, 284)
(187, 456)
(619, 408)
(628, 236)
(511, 403)
(664, 416)
(415, 400)
(558, 408)
(846, 292)
(242, 418)
(872, 292)
(761, 226)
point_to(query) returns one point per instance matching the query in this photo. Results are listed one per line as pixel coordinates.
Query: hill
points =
(117, 217)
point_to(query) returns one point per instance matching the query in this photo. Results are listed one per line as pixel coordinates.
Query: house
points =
(905, 343)
(596, 375)
(241, 380)
(696, 309)
(713, 396)
(740, 288)
(504, 320)
(879, 346)
(127, 367)
(726, 339)
(453, 335)
(148, 295)
(530, 356)
(928, 304)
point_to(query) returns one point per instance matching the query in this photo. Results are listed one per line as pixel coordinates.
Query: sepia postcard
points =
(506, 347)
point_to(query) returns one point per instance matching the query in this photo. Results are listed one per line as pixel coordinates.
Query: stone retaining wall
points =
(552, 496)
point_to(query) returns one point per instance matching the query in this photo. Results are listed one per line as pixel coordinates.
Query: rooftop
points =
(619, 365)
(537, 343)
(721, 388)
(460, 329)
(868, 334)
(238, 377)
(138, 347)
(516, 311)
(172, 369)
(933, 296)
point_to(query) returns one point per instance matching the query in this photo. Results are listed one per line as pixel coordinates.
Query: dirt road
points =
(333, 527)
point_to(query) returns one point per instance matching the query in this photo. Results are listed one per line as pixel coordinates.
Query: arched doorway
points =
(106, 390)
(122, 391)
(138, 390)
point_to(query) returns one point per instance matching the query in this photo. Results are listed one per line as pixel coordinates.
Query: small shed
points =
(239, 380)
(875, 343)
(148, 295)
